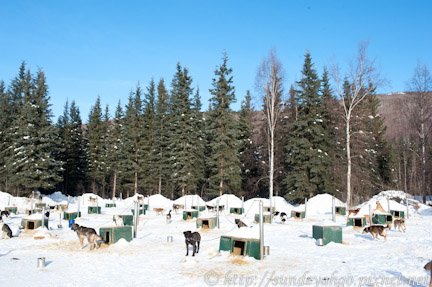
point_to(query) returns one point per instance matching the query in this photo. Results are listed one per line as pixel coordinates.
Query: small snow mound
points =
(121, 243)
(226, 200)
(322, 204)
(190, 200)
(159, 201)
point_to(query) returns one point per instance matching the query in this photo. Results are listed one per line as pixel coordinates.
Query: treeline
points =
(161, 141)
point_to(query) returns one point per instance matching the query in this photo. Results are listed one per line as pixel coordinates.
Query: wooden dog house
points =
(240, 246)
(71, 215)
(340, 210)
(266, 218)
(113, 234)
(189, 214)
(127, 219)
(206, 223)
(94, 210)
(110, 205)
(327, 233)
(359, 221)
(298, 214)
(382, 218)
(397, 214)
(236, 210)
(30, 224)
(12, 209)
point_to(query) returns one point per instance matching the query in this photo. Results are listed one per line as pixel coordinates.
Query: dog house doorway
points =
(205, 224)
(389, 218)
(358, 222)
(239, 247)
(396, 213)
(106, 238)
(30, 225)
(188, 215)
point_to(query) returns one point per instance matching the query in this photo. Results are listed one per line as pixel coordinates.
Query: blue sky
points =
(104, 48)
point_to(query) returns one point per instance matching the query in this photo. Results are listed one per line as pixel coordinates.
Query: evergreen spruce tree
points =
(74, 153)
(133, 142)
(116, 151)
(333, 125)
(307, 151)
(161, 140)
(150, 181)
(33, 162)
(249, 164)
(6, 119)
(224, 159)
(182, 146)
(96, 136)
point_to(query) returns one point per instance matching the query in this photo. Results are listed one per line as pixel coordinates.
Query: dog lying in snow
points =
(194, 239)
(87, 233)
(376, 230)
(6, 231)
(158, 211)
(399, 224)
(5, 213)
(240, 223)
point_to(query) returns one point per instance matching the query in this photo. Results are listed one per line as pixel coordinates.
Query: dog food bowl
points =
(266, 250)
(41, 262)
(319, 242)
(169, 238)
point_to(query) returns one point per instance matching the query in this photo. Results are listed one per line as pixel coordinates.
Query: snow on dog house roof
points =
(159, 201)
(190, 200)
(379, 205)
(252, 205)
(320, 204)
(251, 232)
(227, 200)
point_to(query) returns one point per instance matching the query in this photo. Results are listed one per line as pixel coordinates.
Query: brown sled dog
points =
(376, 230)
(87, 233)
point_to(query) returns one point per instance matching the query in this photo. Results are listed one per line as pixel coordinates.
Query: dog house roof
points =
(229, 200)
(245, 232)
(190, 200)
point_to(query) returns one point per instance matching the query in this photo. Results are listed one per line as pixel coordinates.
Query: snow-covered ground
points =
(150, 260)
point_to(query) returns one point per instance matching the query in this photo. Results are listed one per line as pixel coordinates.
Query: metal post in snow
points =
(136, 210)
(43, 216)
(406, 203)
(242, 203)
(305, 207)
(261, 230)
(388, 205)
(217, 214)
(79, 205)
(333, 209)
(370, 214)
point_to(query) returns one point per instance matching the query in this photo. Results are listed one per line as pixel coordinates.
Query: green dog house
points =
(141, 211)
(382, 218)
(206, 223)
(113, 234)
(240, 246)
(266, 218)
(298, 214)
(30, 224)
(236, 210)
(357, 221)
(110, 205)
(94, 210)
(127, 219)
(327, 233)
(71, 215)
(189, 214)
(340, 210)
(397, 213)
(199, 208)
(144, 207)
(12, 209)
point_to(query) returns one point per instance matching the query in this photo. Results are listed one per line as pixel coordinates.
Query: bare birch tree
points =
(420, 114)
(363, 78)
(269, 85)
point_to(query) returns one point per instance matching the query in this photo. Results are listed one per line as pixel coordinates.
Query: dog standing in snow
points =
(399, 224)
(376, 230)
(194, 239)
(6, 231)
(168, 217)
(87, 233)
(239, 223)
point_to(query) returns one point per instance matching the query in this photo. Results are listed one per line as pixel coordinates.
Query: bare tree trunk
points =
(160, 185)
(114, 185)
(136, 183)
(348, 150)
(221, 184)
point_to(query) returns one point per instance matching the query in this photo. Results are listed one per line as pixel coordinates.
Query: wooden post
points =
(261, 227)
